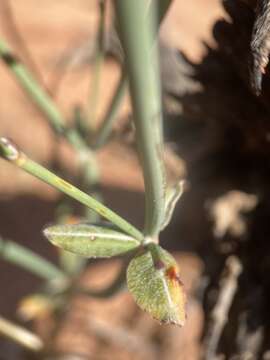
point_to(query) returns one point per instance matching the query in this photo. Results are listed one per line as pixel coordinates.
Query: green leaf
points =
(172, 196)
(90, 240)
(153, 280)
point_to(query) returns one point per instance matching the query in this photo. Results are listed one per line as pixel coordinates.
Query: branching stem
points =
(9, 151)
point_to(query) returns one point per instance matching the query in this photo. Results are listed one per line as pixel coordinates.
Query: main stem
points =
(10, 152)
(120, 90)
(137, 32)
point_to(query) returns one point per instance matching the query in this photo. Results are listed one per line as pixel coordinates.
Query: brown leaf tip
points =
(173, 275)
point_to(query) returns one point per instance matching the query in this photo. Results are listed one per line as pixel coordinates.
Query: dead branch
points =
(219, 316)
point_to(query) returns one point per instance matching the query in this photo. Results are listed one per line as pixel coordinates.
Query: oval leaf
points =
(154, 282)
(90, 240)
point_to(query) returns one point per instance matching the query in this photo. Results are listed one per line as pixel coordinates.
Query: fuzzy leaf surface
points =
(153, 280)
(91, 241)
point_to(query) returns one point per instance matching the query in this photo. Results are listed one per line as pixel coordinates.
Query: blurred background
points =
(60, 37)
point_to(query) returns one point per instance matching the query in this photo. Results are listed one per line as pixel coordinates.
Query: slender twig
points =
(20, 335)
(28, 83)
(106, 125)
(28, 260)
(219, 316)
(89, 170)
(99, 59)
(136, 32)
(251, 327)
(8, 20)
(41, 98)
(10, 152)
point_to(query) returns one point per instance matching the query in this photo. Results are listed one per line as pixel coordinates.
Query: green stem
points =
(10, 152)
(137, 33)
(46, 105)
(20, 335)
(99, 59)
(106, 124)
(87, 161)
(27, 81)
(16, 36)
(28, 260)
(104, 131)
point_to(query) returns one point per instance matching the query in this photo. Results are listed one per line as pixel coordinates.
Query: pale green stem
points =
(137, 33)
(99, 59)
(20, 335)
(48, 107)
(102, 134)
(10, 152)
(106, 125)
(27, 81)
(14, 33)
(40, 97)
(28, 260)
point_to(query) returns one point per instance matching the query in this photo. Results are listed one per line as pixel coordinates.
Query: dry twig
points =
(219, 316)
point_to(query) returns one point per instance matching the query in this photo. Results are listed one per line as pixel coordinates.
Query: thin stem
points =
(137, 33)
(10, 152)
(44, 102)
(99, 59)
(20, 335)
(8, 21)
(87, 161)
(27, 81)
(104, 131)
(120, 90)
(28, 260)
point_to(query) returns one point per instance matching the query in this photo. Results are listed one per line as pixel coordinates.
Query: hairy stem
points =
(120, 90)
(137, 33)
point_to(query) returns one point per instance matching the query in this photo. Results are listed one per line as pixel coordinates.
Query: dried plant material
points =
(260, 44)
(219, 316)
(34, 306)
(227, 211)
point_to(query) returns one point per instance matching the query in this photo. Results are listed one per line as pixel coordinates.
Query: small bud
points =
(8, 150)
